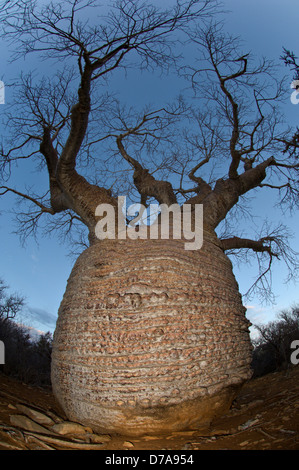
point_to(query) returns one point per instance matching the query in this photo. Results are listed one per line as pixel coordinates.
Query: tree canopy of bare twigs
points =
(226, 141)
(11, 304)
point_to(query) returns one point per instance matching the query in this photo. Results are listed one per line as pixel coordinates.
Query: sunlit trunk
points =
(150, 337)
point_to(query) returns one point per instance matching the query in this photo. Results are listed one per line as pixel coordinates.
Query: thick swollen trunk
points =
(150, 337)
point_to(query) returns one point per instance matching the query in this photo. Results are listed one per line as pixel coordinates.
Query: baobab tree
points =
(150, 336)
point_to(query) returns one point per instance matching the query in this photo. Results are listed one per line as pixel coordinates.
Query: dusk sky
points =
(39, 271)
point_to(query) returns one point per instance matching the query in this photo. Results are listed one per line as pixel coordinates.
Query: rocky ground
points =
(264, 416)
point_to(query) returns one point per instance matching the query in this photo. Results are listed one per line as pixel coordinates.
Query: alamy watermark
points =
(2, 353)
(294, 358)
(2, 92)
(295, 87)
(163, 222)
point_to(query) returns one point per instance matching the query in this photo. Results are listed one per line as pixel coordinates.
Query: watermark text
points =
(2, 353)
(158, 221)
(295, 87)
(295, 354)
(2, 92)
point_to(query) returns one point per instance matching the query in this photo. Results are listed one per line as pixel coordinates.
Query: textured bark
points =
(150, 337)
(225, 195)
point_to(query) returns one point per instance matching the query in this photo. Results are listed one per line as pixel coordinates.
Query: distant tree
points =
(40, 358)
(272, 348)
(291, 61)
(11, 304)
(17, 344)
(26, 359)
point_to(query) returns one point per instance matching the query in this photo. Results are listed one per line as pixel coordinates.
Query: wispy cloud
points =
(34, 257)
(39, 319)
(258, 315)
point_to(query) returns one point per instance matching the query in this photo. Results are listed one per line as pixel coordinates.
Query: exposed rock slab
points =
(36, 415)
(67, 427)
(28, 424)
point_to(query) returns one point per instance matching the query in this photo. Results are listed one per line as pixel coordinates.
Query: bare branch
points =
(261, 245)
(145, 183)
(11, 304)
(4, 190)
(268, 248)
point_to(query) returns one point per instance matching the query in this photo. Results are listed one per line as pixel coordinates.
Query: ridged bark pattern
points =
(150, 337)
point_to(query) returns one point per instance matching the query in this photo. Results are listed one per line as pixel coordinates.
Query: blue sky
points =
(40, 271)
(266, 26)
